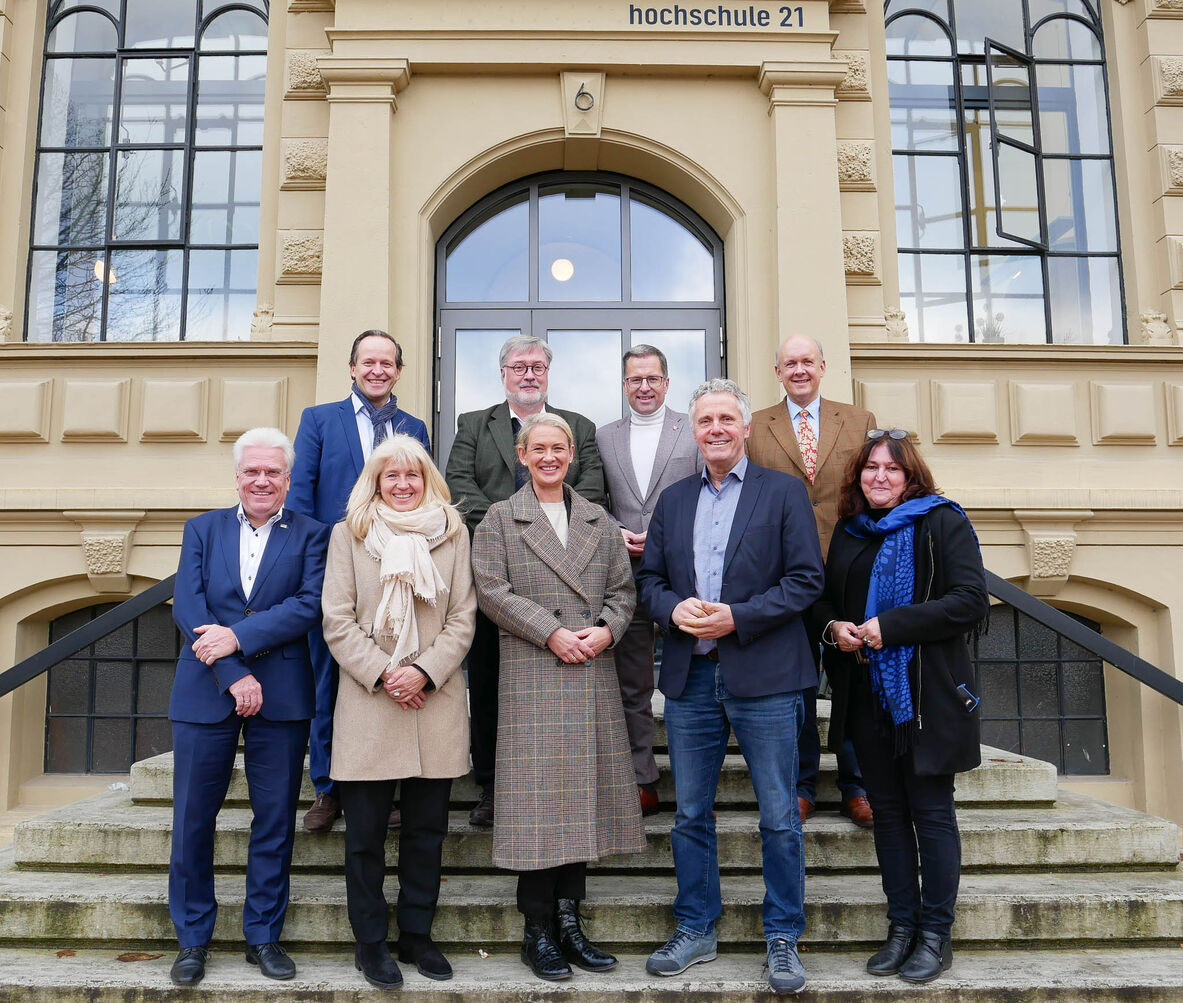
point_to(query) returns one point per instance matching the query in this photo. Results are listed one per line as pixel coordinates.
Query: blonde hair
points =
(543, 418)
(365, 496)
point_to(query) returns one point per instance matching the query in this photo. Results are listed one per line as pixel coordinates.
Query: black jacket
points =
(951, 599)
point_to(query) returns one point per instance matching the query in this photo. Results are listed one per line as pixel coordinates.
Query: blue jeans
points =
(697, 725)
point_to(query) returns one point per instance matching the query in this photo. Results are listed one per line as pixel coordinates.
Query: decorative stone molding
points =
(262, 321)
(353, 80)
(304, 81)
(5, 324)
(1155, 330)
(1050, 537)
(25, 410)
(964, 411)
(251, 403)
(1123, 414)
(895, 403)
(106, 539)
(856, 85)
(300, 256)
(1162, 8)
(896, 324)
(1174, 393)
(1043, 414)
(802, 83)
(860, 258)
(305, 164)
(1168, 79)
(95, 410)
(311, 6)
(582, 98)
(847, 7)
(1171, 168)
(856, 167)
(174, 410)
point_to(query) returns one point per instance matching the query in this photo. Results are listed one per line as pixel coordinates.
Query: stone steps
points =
(994, 910)
(1003, 778)
(1101, 976)
(1077, 832)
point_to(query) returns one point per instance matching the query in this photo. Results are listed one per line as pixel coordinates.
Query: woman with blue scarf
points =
(904, 589)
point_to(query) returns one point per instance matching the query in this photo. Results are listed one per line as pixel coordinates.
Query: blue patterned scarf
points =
(893, 583)
(378, 416)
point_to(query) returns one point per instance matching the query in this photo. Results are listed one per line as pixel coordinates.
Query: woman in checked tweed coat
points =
(566, 792)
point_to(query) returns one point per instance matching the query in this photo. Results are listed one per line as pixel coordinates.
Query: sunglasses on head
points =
(891, 433)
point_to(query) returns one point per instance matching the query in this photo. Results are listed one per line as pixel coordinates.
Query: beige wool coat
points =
(565, 787)
(374, 738)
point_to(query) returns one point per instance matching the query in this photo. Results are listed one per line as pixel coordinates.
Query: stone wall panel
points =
(95, 410)
(1043, 414)
(25, 410)
(174, 410)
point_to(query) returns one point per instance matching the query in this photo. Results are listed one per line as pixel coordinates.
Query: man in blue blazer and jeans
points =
(247, 592)
(731, 563)
(332, 443)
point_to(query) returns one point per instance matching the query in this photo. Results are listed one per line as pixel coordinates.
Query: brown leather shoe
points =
(858, 810)
(804, 808)
(482, 813)
(648, 801)
(325, 810)
(395, 820)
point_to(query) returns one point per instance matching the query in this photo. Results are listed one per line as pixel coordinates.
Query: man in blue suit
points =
(731, 563)
(332, 443)
(247, 593)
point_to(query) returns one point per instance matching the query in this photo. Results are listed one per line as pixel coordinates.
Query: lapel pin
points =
(283, 525)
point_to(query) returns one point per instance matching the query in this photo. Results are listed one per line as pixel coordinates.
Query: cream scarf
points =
(401, 543)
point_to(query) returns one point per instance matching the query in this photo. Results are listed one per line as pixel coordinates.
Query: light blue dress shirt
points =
(712, 528)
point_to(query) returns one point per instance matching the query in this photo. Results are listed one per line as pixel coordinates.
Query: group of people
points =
(335, 607)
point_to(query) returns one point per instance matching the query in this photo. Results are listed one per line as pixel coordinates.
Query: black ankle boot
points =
(894, 952)
(932, 955)
(374, 961)
(541, 953)
(576, 948)
(419, 949)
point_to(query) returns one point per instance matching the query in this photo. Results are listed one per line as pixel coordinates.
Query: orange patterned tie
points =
(807, 443)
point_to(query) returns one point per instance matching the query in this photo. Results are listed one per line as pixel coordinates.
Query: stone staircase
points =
(1062, 898)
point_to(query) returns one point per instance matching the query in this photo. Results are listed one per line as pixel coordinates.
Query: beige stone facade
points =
(1069, 458)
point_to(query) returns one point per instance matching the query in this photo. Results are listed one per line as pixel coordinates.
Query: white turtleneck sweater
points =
(644, 434)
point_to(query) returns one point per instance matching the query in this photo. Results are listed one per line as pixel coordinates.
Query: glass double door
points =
(587, 343)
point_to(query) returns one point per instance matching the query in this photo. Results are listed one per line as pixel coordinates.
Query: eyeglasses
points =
(636, 382)
(891, 433)
(271, 473)
(520, 368)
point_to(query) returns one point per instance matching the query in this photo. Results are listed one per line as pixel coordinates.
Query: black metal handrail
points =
(86, 635)
(1107, 650)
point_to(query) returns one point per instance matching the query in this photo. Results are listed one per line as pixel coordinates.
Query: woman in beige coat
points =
(399, 608)
(552, 572)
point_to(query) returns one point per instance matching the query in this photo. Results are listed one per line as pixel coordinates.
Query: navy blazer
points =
(772, 573)
(329, 457)
(272, 628)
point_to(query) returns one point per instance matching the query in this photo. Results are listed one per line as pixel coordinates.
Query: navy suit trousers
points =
(203, 761)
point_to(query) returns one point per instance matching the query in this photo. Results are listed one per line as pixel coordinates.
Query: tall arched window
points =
(149, 162)
(1005, 207)
(592, 264)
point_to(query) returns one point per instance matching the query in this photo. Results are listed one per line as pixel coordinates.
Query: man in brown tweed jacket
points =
(831, 433)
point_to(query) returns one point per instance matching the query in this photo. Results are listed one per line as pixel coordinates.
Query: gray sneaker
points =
(681, 951)
(786, 974)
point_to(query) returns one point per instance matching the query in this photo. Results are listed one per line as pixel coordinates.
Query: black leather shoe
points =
(272, 960)
(482, 813)
(541, 953)
(419, 950)
(894, 952)
(576, 948)
(931, 956)
(189, 968)
(377, 965)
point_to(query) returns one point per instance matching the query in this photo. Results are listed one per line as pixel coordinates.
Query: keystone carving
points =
(856, 82)
(1051, 556)
(5, 323)
(897, 324)
(300, 257)
(106, 539)
(1051, 545)
(104, 554)
(854, 166)
(304, 78)
(261, 322)
(858, 254)
(1155, 329)
(306, 160)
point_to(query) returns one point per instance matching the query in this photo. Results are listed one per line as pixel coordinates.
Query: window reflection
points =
(579, 243)
(76, 110)
(478, 370)
(585, 374)
(489, 261)
(85, 31)
(685, 351)
(1007, 299)
(668, 261)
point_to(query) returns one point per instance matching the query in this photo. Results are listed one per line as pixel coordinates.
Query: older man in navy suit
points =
(731, 563)
(247, 593)
(333, 442)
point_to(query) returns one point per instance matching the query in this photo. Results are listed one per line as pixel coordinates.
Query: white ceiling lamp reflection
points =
(562, 269)
(102, 273)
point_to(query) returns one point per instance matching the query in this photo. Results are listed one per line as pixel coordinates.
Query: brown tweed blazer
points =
(773, 443)
(565, 787)
(373, 737)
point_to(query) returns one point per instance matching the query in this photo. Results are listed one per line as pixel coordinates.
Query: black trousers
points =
(366, 804)
(916, 836)
(539, 890)
(484, 671)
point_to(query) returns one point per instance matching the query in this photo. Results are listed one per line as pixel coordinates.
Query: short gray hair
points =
(268, 438)
(723, 386)
(645, 352)
(523, 343)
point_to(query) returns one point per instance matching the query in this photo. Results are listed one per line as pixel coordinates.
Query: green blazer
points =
(481, 463)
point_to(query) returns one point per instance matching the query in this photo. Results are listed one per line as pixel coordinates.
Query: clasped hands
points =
(704, 619)
(852, 637)
(577, 646)
(404, 685)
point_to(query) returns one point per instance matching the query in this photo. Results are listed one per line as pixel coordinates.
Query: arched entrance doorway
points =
(591, 263)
